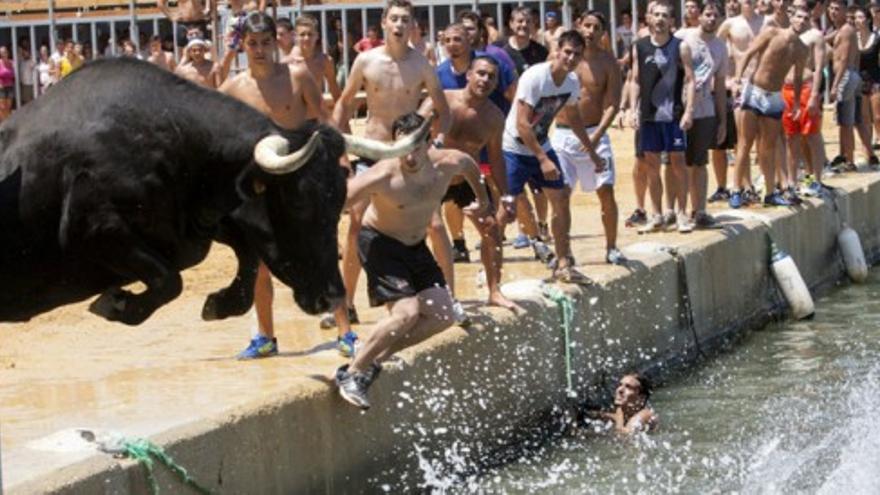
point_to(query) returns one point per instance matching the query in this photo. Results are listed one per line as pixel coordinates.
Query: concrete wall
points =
(467, 393)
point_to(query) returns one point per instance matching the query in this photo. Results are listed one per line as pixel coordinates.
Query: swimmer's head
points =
(397, 20)
(475, 26)
(520, 19)
(196, 49)
(407, 124)
(258, 36)
(482, 76)
(633, 391)
(661, 15)
(306, 29)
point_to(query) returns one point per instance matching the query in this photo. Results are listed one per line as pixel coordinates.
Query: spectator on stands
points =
(160, 57)
(493, 34)
(524, 51)
(87, 52)
(370, 41)
(45, 70)
(198, 68)
(418, 43)
(284, 37)
(56, 59)
(129, 50)
(7, 83)
(26, 70)
(72, 58)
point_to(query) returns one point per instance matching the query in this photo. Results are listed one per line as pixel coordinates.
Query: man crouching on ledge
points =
(631, 414)
(401, 271)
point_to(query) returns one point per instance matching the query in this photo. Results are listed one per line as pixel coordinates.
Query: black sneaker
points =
(353, 387)
(721, 194)
(460, 253)
(838, 161)
(638, 217)
(792, 196)
(874, 162)
(329, 320)
(851, 167)
(372, 373)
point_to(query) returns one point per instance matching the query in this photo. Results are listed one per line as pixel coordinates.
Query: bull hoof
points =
(225, 303)
(116, 305)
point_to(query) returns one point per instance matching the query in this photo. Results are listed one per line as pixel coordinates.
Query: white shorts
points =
(577, 166)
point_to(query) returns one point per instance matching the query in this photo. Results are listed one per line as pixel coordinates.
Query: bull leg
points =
(137, 263)
(238, 297)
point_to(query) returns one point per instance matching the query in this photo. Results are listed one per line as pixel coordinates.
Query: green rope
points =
(566, 307)
(145, 452)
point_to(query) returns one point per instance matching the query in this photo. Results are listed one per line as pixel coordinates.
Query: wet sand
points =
(69, 368)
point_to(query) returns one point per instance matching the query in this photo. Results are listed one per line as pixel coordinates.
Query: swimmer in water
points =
(632, 413)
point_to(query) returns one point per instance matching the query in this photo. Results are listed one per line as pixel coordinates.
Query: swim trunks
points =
(461, 194)
(657, 137)
(764, 103)
(807, 124)
(700, 136)
(848, 100)
(577, 166)
(395, 270)
(522, 169)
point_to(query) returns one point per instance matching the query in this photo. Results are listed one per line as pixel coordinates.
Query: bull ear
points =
(250, 184)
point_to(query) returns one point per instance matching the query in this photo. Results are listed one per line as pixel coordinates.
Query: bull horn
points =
(378, 150)
(271, 154)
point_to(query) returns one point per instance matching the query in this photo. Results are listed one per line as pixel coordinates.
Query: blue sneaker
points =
(260, 347)
(521, 242)
(736, 200)
(348, 344)
(776, 199)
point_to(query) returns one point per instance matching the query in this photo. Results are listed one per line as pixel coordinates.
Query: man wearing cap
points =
(552, 29)
(197, 68)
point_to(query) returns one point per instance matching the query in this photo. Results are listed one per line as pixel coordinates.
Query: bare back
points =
(393, 87)
(600, 80)
(783, 51)
(403, 202)
(287, 96)
(203, 73)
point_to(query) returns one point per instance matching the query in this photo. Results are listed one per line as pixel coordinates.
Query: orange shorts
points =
(807, 124)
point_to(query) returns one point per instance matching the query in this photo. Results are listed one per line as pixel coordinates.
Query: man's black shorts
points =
(461, 194)
(394, 270)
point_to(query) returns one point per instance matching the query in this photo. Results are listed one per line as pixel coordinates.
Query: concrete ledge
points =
(463, 394)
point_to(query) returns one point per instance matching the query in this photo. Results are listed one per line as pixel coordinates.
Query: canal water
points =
(793, 408)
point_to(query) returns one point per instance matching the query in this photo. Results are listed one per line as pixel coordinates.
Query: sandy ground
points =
(69, 368)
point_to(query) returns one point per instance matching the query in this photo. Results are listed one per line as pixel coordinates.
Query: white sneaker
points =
(684, 223)
(459, 315)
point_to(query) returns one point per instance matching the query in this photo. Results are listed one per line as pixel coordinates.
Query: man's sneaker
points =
(521, 242)
(372, 373)
(542, 251)
(329, 319)
(874, 162)
(838, 161)
(851, 167)
(353, 387)
(703, 220)
(638, 217)
(348, 344)
(683, 223)
(460, 253)
(669, 220)
(653, 225)
(260, 347)
(736, 200)
(813, 189)
(721, 194)
(750, 196)
(791, 196)
(615, 257)
(775, 199)
(459, 315)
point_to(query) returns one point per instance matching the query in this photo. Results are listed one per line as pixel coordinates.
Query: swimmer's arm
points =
(798, 82)
(689, 86)
(818, 63)
(344, 105)
(634, 87)
(365, 184)
(435, 91)
(524, 115)
(510, 94)
(610, 100)
(644, 420)
(330, 76)
(261, 6)
(720, 94)
(425, 110)
(311, 94)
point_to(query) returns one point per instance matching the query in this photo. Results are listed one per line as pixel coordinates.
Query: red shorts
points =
(486, 169)
(807, 124)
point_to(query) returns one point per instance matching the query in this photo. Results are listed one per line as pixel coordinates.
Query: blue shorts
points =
(657, 137)
(522, 169)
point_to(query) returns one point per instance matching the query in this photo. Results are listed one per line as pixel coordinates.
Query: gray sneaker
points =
(353, 386)
(542, 251)
(615, 257)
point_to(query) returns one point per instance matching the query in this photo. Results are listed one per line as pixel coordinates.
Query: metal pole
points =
(613, 24)
(431, 29)
(74, 32)
(132, 26)
(113, 47)
(17, 86)
(634, 14)
(363, 23)
(499, 20)
(156, 26)
(451, 13)
(566, 14)
(94, 29)
(591, 6)
(681, 9)
(324, 33)
(174, 37)
(299, 8)
(542, 9)
(345, 44)
(52, 26)
(824, 23)
(35, 50)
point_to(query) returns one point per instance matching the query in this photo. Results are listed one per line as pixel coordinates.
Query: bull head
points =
(271, 152)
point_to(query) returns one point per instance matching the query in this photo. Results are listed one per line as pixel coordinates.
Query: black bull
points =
(126, 173)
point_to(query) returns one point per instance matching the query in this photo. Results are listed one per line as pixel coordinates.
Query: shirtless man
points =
(401, 272)
(285, 37)
(632, 413)
(846, 85)
(599, 103)
(418, 42)
(477, 123)
(778, 15)
(552, 29)
(393, 76)
(776, 50)
(286, 94)
(160, 57)
(691, 14)
(739, 32)
(306, 51)
(804, 136)
(199, 69)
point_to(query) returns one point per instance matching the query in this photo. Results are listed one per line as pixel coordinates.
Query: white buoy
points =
(853, 256)
(792, 284)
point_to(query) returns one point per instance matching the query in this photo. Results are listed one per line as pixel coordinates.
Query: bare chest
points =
(388, 82)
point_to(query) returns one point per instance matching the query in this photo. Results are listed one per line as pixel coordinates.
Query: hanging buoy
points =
(853, 256)
(792, 284)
